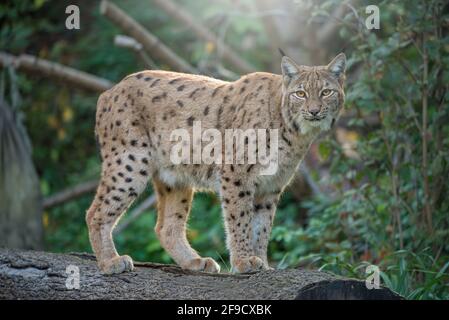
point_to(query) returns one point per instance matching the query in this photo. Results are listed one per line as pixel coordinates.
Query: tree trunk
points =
(41, 275)
(20, 197)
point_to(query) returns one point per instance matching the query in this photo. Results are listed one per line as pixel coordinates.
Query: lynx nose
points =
(314, 110)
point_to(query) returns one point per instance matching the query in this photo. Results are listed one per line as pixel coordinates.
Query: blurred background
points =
(372, 191)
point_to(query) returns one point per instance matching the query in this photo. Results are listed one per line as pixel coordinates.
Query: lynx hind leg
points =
(173, 211)
(124, 176)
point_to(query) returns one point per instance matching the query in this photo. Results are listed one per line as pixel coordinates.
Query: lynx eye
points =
(326, 92)
(300, 94)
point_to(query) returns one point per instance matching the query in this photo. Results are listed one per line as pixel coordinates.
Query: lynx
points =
(134, 121)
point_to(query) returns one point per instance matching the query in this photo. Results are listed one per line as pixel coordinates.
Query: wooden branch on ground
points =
(70, 194)
(149, 41)
(37, 66)
(182, 16)
(42, 275)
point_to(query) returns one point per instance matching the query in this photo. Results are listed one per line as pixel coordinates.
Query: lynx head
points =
(313, 96)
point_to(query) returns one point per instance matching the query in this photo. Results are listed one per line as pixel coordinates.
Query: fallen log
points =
(42, 275)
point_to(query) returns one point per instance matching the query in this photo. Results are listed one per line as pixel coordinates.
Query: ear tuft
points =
(282, 52)
(338, 65)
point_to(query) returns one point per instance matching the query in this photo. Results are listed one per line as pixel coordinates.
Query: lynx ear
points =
(338, 65)
(289, 69)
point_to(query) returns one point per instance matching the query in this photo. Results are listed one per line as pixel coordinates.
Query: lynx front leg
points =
(238, 208)
(264, 211)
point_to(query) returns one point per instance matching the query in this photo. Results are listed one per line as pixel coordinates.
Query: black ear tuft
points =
(282, 52)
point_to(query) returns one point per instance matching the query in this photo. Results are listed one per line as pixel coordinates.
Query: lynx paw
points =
(203, 264)
(117, 265)
(248, 264)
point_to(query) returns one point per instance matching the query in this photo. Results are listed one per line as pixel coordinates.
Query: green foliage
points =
(377, 213)
(374, 210)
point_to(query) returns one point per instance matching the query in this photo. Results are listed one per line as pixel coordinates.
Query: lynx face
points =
(313, 96)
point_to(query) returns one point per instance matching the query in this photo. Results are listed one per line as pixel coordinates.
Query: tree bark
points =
(41, 275)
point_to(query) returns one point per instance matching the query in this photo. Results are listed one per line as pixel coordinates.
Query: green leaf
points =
(324, 149)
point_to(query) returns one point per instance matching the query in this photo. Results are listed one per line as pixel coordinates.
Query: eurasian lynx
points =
(133, 126)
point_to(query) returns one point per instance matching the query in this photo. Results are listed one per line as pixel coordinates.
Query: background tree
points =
(20, 196)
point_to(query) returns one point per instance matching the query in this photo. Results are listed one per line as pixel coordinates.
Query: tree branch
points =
(131, 43)
(70, 194)
(182, 16)
(150, 42)
(34, 65)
